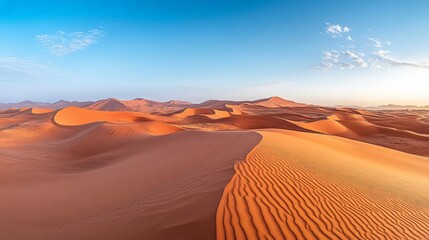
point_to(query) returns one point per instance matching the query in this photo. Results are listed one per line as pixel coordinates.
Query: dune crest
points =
(308, 186)
(41, 110)
(139, 105)
(276, 102)
(189, 112)
(73, 116)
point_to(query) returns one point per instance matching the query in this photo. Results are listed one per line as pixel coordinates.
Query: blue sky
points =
(365, 52)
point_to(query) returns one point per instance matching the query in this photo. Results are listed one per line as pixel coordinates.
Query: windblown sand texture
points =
(305, 186)
(264, 169)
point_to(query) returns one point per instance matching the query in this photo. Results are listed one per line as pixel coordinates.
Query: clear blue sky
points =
(365, 52)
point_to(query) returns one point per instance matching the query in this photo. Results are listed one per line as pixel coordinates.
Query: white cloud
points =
(383, 54)
(335, 30)
(342, 60)
(377, 43)
(385, 57)
(62, 43)
(357, 58)
(350, 59)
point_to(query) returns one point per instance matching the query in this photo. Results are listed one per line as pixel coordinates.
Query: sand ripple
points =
(287, 190)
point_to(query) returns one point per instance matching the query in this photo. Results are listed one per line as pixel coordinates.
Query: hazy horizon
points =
(199, 102)
(328, 53)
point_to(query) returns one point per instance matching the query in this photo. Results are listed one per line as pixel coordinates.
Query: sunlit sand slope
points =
(297, 185)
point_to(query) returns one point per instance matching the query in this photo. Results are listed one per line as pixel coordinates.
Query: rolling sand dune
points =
(139, 105)
(327, 126)
(276, 102)
(234, 110)
(57, 105)
(307, 186)
(165, 187)
(264, 169)
(218, 114)
(41, 110)
(390, 131)
(73, 116)
(189, 112)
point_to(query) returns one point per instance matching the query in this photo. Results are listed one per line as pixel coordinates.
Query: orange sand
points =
(142, 169)
(100, 184)
(307, 186)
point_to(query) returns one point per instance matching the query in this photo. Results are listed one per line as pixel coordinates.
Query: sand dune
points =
(276, 102)
(142, 169)
(234, 109)
(146, 187)
(327, 126)
(41, 110)
(73, 116)
(189, 112)
(403, 133)
(308, 186)
(57, 105)
(195, 112)
(139, 105)
(218, 114)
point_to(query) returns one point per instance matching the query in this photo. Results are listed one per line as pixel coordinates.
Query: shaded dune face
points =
(308, 186)
(150, 187)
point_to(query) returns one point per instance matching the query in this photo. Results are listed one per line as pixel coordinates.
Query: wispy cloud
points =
(12, 68)
(342, 60)
(378, 43)
(62, 43)
(357, 58)
(335, 30)
(385, 56)
(366, 58)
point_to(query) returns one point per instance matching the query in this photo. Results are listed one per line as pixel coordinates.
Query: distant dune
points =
(57, 105)
(149, 106)
(139, 105)
(264, 169)
(398, 107)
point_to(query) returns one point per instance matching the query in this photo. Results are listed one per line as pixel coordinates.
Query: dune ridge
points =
(284, 191)
(139, 105)
(74, 116)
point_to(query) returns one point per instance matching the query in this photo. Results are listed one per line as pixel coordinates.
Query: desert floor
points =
(266, 169)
